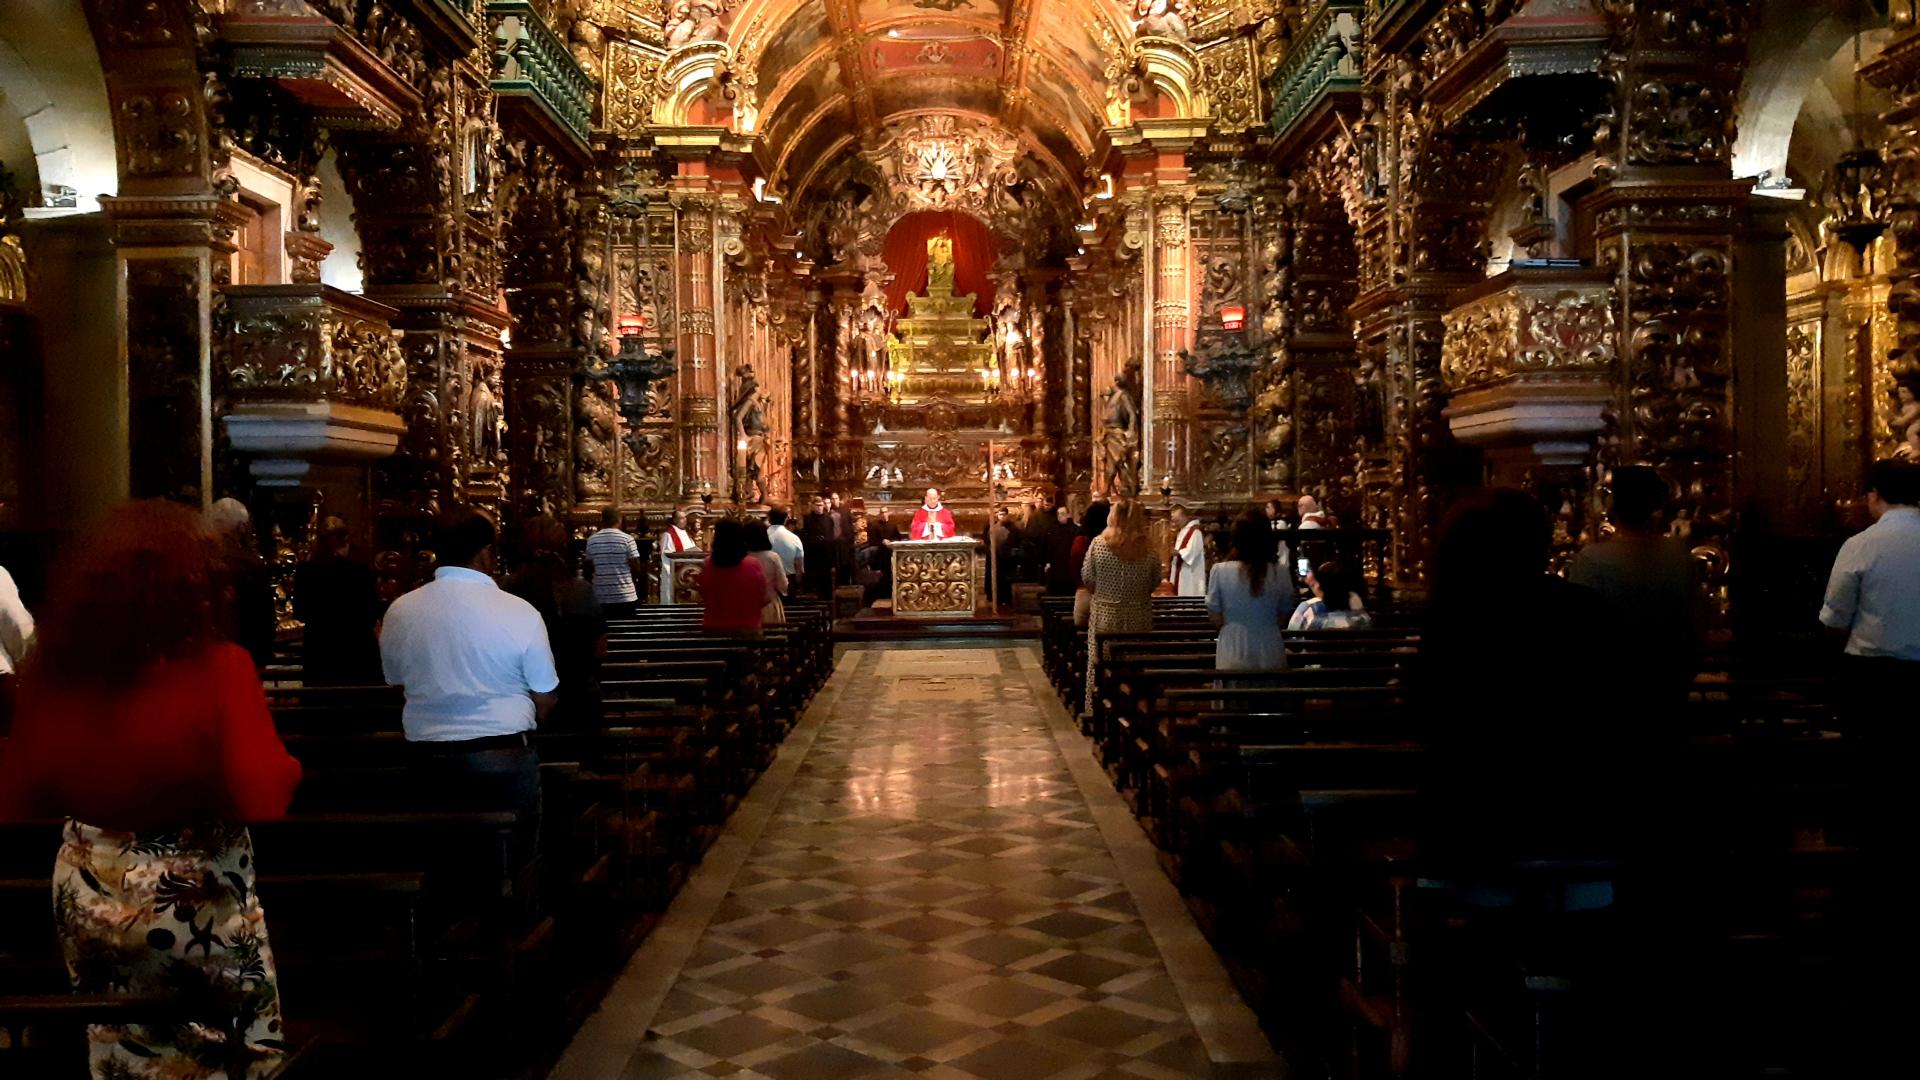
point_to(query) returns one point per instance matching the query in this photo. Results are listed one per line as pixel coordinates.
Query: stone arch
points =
(56, 127)
(161, 131)
(1794, 43)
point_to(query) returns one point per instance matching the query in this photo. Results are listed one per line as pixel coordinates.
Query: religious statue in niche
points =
(1370, 421)
(940, 263)
(748, 406)
(748, 409)
(483, 412)
(1120, 431)
(1159, 18)
(691, 21)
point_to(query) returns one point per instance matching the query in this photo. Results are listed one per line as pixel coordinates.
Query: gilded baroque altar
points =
(944, 396)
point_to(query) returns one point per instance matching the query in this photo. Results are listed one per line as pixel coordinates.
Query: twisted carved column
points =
(1172, 332)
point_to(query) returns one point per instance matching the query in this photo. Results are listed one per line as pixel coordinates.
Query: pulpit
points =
(935, 578)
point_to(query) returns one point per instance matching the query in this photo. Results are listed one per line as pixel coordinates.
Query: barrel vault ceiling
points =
(833, 75)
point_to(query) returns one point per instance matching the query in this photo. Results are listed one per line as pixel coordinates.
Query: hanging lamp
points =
(1856, 191)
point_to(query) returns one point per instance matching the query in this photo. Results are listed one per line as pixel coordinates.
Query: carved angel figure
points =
(1159, 18)
(691, 21)
(1906, 405)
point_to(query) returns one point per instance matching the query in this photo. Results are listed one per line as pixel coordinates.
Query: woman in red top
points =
(734, 590)
(152, 738)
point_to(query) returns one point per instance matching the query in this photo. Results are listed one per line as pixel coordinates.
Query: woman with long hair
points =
(576, 627)
(1122, 572)
(734, 590)
(1246, 596)
(760, 547)
(151, 736)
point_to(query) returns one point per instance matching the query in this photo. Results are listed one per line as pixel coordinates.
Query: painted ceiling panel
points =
(803, 31)
(921, 56)
(872, 11)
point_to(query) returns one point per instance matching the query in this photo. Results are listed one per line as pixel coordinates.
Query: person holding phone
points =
(1329, 582)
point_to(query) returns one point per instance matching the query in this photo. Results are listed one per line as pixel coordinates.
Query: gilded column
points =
(699, 368)
(1893, 357)
(1172, 332)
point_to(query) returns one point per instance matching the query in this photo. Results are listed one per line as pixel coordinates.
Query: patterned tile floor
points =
(929, 895)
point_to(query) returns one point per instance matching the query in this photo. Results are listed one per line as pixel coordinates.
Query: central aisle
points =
(921, 886)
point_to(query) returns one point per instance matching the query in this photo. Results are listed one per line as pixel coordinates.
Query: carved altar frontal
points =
(935, 578)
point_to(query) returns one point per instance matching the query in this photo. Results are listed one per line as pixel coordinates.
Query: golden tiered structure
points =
(940, 349)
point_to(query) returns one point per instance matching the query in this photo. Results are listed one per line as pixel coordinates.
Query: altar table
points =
(935, 578)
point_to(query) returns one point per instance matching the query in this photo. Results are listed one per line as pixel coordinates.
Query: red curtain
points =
(906, 255)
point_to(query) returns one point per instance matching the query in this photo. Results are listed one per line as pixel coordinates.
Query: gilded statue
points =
(940, 264)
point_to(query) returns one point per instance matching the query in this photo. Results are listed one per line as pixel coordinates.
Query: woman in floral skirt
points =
(152, 738)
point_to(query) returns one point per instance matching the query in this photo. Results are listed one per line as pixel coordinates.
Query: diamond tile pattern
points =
(929, 898)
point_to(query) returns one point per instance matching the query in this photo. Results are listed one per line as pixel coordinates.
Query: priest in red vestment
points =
(932, 521)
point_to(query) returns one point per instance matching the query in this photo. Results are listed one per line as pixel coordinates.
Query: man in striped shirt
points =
(615, 559)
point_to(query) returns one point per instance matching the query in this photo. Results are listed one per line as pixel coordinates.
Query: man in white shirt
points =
(478, 674)
(1873, 594)
(675, 539)
(1188, 569)
(1311, 516)
(791, 549)
(613, 560)
(16, 625)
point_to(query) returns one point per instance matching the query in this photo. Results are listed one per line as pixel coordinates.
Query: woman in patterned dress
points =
(152, 738)
(1122, 572)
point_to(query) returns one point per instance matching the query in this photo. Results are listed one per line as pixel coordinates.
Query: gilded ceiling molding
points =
(832, 104)
(843, 19)
(1016, 61)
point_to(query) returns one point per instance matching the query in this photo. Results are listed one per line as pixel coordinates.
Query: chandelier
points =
(636, 368)
(1856, 190)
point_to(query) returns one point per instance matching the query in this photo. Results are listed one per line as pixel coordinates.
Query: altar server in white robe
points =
(675, 538)
(1188, 570)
